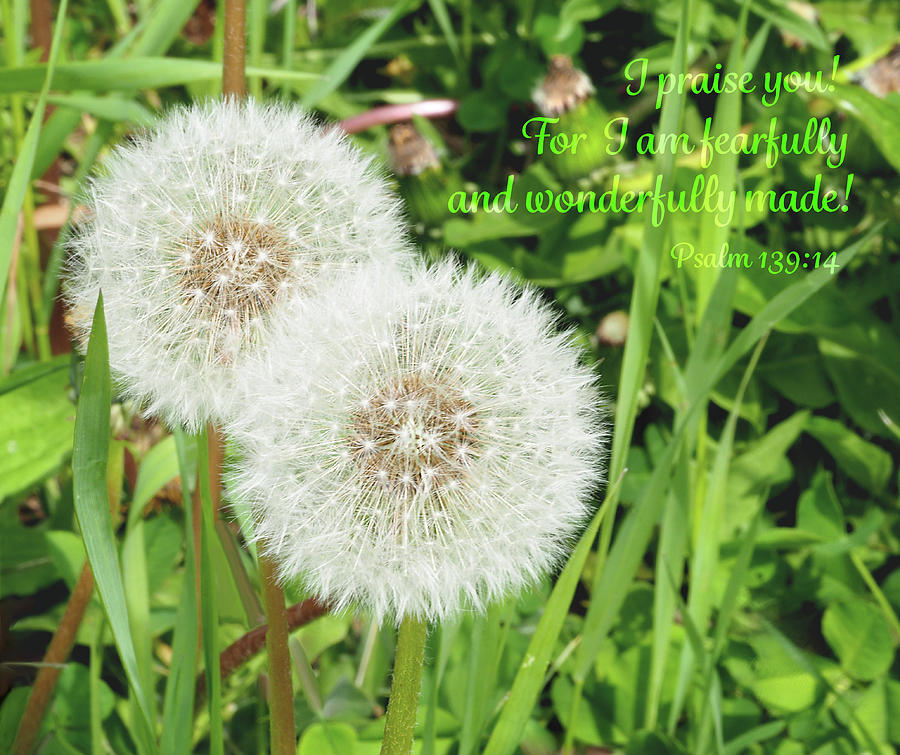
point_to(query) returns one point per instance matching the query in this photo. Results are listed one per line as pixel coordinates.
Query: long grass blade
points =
(92, 503)
(21, 173)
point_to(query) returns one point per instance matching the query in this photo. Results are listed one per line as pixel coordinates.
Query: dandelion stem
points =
(281, 696)
(234, 82)
(401, 712)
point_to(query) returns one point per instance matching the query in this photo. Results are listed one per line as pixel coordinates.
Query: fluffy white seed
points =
(207, 232)
(427, 445)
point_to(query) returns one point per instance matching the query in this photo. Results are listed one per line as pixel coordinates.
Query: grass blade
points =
(21, 173)
(178, 707)
(113, 74)
(634, 535)
(344, 64)
(210, 622)
(92, 502)
(530, 677)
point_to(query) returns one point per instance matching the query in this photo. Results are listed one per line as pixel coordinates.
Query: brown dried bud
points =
(411, 153)
(563, 88)
(883, 76)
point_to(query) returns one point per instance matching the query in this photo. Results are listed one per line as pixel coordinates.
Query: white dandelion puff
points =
(206, 232)
(428, 445)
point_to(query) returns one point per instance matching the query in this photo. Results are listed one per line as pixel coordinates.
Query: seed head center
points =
(230, 270)
(415, 434)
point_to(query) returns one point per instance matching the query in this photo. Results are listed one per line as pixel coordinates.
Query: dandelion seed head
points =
(195, 238)
(418, 487)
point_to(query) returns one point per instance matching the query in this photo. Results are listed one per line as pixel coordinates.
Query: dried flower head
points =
(206, 232)
(411, 153)
(563, 88)
(883, 76)
(432, 445)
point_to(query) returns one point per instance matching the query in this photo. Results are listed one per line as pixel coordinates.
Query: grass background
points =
(738, 589)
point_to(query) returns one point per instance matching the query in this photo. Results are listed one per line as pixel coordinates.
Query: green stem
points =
(401, 712)
(281, 693)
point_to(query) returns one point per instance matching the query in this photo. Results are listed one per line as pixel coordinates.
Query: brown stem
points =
(57, 654)
(234, 83)
(64, 636)
(381, 116)
(281, 695)
(42, 26)
(244, 648)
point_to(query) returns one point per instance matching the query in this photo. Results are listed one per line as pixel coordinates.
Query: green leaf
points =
(866, 387)
(111, 108)
(327, 738)
(344, 64)
(178, 707)
(860, 637)
(530, 676)
(158, 467)
(781, 682)
(482, 110)
(35, 425)
(92, 502)
(10, 715)
(129, 73)
(879, 710)
(321, 634)
(784, 17)
(793, 366)
(71, 707)
(866, 463)
(819, 512)
(878, 116)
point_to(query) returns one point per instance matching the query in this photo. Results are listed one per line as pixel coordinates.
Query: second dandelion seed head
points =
(428, 446)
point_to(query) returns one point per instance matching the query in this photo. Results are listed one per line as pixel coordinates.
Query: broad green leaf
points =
(878, 116)
(592, 726)
(819, 512)
(793, 366)
(322, 633)
(879, 710)
(70, 712)
(779, 681)
(865, 462)
(92, 503)
(860, 636)
(35, 425)
(327, 738)
(866, 387)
